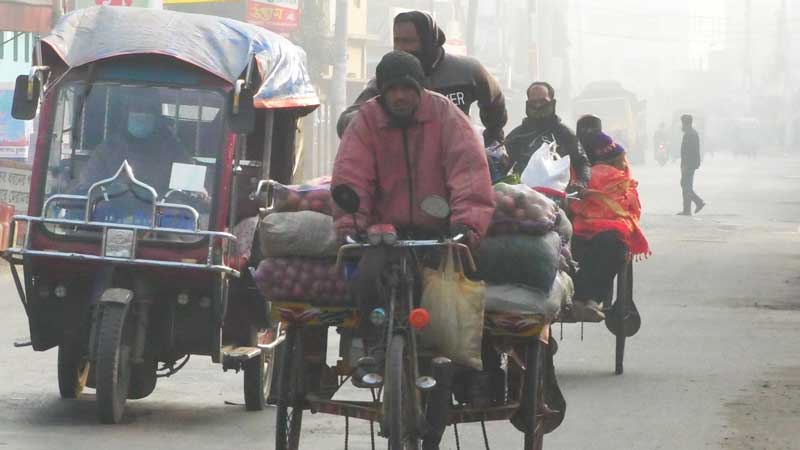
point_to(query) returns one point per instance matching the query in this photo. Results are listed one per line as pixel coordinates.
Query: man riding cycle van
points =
(406, 145)
(540, 125)
(460, 78)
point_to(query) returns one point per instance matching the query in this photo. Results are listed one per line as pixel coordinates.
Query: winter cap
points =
(600, 148)
(399, 68)
(588, 122)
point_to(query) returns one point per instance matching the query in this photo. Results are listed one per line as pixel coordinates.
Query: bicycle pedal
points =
(372, 380)
(240, 353)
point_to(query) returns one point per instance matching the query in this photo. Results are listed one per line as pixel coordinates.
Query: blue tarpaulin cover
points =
(218, 45)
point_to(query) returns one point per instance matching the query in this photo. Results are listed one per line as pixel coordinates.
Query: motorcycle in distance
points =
(130, 267)
(661, 153)
(413, 397)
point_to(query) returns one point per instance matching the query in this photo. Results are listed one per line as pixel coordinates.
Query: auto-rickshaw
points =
(155, 128)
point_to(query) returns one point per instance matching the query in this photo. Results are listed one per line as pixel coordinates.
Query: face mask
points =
(542, 112)
(141, 125)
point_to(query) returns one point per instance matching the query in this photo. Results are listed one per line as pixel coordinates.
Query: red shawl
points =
(611, 203)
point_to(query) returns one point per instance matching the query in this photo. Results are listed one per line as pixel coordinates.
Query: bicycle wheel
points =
(533, 396)
(291, 392)
(399, 395)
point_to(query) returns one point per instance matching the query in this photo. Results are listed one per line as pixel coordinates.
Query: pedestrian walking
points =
(690, 162)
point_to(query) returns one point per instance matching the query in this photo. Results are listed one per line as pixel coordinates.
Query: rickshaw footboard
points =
(372, 411)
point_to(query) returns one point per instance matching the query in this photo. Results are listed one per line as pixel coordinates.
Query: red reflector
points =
(419, 318)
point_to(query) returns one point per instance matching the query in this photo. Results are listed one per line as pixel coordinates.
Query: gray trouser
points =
(687, 186)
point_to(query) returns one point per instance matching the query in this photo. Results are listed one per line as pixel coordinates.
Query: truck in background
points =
(623, 115)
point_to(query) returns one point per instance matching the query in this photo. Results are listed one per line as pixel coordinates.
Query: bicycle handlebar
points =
(353, 245)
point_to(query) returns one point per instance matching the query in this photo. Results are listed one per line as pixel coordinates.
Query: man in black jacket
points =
(460, 78)
(542, 124)
(690, 162)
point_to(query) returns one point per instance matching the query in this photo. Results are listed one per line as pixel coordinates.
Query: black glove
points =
(471, 237)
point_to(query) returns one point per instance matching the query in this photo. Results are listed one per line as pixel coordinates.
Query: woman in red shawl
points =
(606, 225)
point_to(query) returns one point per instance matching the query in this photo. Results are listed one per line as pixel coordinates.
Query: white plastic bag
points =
(547, 168)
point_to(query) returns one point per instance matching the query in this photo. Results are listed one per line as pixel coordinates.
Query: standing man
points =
(460, 78)
(542, 124)
(690, 161)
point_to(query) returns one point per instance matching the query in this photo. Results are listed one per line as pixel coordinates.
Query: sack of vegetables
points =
(532, 260)
(303, 233)
(314, 195)
(520, 209)
(306, 280)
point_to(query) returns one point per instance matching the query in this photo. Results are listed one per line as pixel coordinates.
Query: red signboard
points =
(273, 17)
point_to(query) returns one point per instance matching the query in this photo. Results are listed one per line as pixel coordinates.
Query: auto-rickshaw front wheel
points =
(73, 370)
(114, 343)
(258, 373)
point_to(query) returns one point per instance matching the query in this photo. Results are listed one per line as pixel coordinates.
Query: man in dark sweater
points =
(542, 124)
(460, 78)
(690, 162)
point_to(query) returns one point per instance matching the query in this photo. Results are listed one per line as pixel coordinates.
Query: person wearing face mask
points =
(461, 79)
(543, 125)
(586, 128)
(144, 141)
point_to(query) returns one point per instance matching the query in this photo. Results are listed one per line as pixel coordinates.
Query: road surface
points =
(716, 364)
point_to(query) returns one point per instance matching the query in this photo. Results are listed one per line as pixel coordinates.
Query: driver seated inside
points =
(145, 141)
(406, 145)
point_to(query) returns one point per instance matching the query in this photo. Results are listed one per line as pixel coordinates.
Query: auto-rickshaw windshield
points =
(171, 138)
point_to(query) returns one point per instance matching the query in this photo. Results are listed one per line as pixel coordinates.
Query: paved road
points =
(716, 364)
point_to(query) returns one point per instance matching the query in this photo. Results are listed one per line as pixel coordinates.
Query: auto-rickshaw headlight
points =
(205, 301)
(183, 299)
(60, 290)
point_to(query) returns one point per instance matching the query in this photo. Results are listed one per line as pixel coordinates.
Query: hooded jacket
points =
(394, 169)
(460, 78)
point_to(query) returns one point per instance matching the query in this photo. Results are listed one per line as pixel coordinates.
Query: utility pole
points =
(338, 92)
(472, 19)
(57, 11)
(533, 50)
(748, 70)
(788, 91)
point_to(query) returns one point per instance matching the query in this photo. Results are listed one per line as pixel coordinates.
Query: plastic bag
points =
(520, 209)
(497, 157)
(519, 258)
(314, 195)
(547, 168)
(304, 233)
(524, 300)
(455, 305)
(307, 280)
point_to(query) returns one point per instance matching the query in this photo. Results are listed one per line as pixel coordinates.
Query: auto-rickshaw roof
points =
(217, 45)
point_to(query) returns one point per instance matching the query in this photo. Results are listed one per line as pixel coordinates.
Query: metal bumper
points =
(213, 237)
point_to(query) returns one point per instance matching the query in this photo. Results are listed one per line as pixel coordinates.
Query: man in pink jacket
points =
(405, 145)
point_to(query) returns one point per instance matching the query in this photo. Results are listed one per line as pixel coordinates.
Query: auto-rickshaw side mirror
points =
(242, 112)
(26, 97)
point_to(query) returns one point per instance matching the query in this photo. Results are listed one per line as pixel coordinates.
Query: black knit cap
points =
(399, 68)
